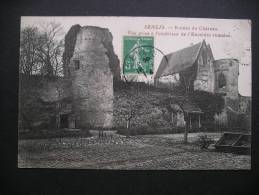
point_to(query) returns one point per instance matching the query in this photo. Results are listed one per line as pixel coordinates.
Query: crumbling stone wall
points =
(38, 98)
(229, 70)
(245, 105)
(245, 112)
(91, 76)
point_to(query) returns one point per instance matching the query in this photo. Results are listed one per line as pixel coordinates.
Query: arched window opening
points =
(222, 80)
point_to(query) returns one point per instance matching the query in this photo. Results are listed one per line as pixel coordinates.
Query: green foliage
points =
(209, 103)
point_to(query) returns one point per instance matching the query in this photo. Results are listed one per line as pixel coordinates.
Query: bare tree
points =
(41, 50)
(29, 63)
(50, 49)
(40, 56)
(132, 106)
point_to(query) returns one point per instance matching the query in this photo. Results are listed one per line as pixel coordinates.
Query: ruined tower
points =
(91, 65)
(226, 77)
(226, 84)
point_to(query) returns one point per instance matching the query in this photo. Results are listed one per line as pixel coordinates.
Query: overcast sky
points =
(238, 45)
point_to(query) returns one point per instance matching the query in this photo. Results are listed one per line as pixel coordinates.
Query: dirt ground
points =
(149, 152)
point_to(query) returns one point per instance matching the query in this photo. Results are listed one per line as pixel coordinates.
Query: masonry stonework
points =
(226, 80)
(91, 78)
(205, 80)
(227, 69)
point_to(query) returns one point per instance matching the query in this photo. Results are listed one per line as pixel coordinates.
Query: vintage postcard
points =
(147, 93)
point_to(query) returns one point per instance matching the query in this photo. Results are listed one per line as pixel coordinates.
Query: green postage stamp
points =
(138, 55)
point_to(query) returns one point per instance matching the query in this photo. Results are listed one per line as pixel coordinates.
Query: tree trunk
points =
(186, 135)
(100, 133)
(128, 127)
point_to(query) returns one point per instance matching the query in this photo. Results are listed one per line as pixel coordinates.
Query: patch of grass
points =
(54, 133)
(148, 131)
(142, 152)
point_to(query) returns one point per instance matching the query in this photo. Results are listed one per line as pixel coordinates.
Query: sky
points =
(236, 44)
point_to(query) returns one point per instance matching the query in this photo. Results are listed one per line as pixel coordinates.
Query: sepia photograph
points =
(134, 93)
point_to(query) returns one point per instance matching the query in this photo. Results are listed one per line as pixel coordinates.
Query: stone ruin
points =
(91, 66)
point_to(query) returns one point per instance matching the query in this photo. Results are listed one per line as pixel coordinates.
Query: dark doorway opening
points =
(64, 121)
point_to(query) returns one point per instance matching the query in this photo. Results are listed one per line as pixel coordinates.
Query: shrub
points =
(204, 141)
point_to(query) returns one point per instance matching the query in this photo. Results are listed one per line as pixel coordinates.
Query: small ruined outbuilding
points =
(186, 114)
